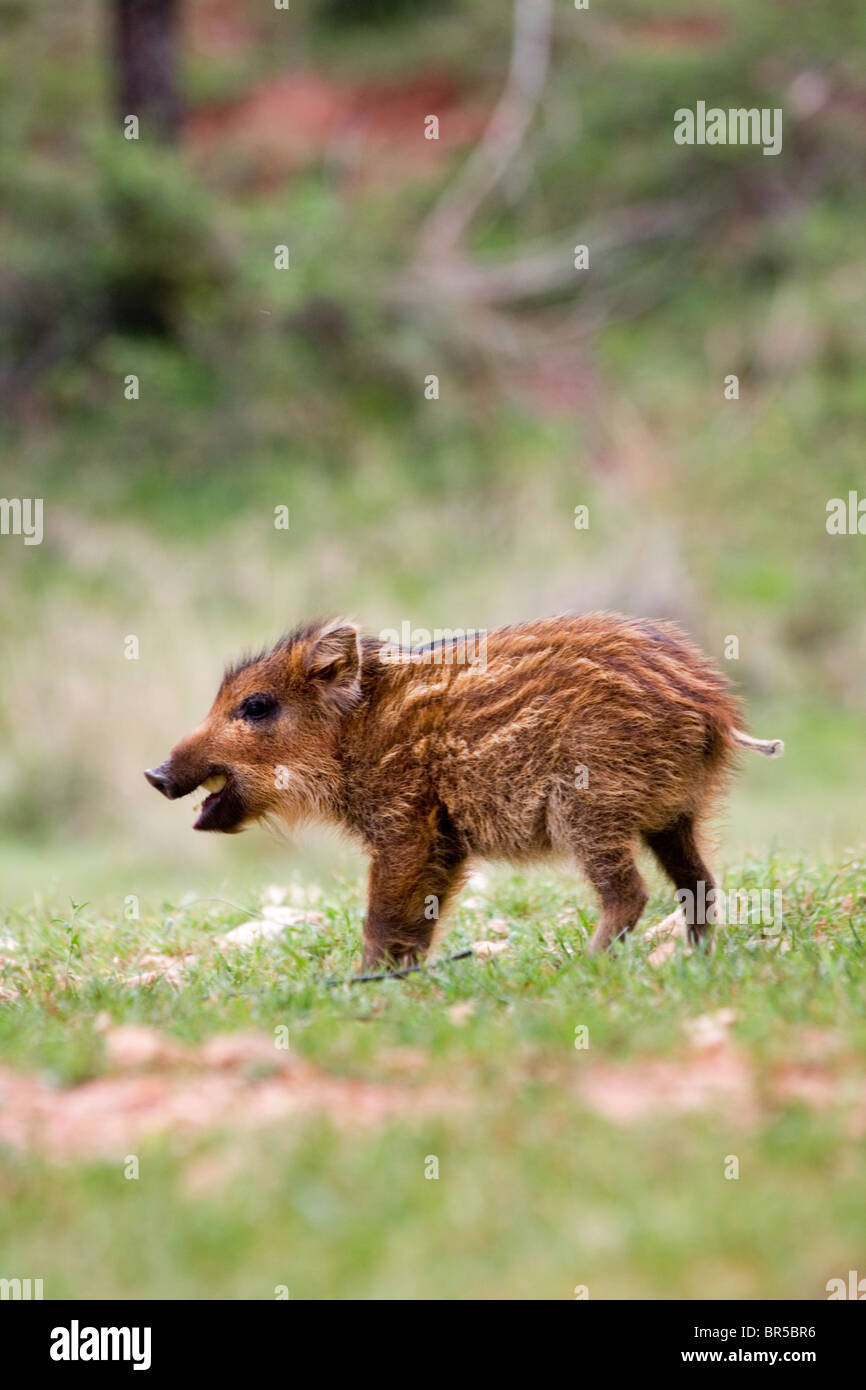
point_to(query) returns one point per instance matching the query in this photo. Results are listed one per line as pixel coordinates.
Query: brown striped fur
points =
(432, 762)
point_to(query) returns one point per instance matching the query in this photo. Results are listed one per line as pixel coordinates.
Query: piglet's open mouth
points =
(222, 808)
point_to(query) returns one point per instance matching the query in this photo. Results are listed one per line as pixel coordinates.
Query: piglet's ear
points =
(333, 656)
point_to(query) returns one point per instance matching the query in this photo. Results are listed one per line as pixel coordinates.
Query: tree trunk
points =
(145, 39)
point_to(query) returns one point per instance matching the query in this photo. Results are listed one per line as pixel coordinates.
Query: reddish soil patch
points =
(370, 133)
(720, 1080)
(715, 1074)
(240, 1082)
(218, 27)
(155, 1085)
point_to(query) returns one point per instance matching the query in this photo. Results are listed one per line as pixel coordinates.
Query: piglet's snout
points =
(160, 777)
(175, 780)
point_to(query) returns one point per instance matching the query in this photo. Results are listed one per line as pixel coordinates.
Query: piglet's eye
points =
(256, 707)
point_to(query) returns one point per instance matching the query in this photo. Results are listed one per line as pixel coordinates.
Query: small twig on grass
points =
(397, 974)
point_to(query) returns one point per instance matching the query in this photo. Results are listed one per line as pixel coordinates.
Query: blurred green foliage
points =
(306, 387)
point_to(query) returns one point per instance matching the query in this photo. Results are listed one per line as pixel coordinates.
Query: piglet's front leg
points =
(408, 889)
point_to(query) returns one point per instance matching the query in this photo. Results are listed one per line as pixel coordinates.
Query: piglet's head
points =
(268, 747)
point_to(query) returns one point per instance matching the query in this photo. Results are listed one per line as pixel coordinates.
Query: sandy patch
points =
(156, 1085)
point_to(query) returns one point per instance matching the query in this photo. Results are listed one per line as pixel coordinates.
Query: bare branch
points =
(548, 268)
(527, 74)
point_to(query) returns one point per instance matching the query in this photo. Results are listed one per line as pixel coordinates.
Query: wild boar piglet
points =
(585, 736)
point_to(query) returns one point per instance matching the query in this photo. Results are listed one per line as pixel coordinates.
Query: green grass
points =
(537, 1191)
